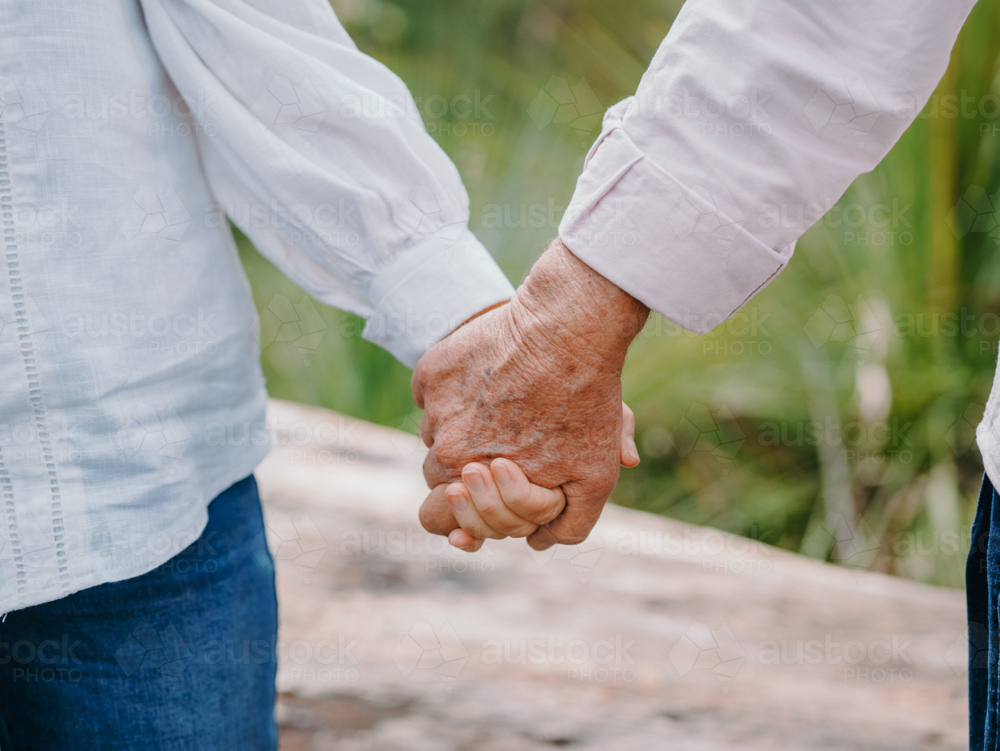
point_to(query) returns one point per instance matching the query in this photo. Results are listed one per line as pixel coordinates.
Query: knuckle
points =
(436, 474)
(545, 516)
(447, 454)
(448, 448)
(510, 527)
(523, 530)
(606, 481)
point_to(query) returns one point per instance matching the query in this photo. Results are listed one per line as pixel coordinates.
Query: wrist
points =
(484, 311)
(573, 307)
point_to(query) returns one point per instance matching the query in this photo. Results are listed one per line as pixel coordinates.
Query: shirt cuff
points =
(429, 291)
(683, 251)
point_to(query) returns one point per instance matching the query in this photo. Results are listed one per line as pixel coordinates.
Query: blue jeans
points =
(179, 659)
(982, 587)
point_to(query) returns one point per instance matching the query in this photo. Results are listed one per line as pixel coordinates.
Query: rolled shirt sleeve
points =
(317, 153)
(752, 120)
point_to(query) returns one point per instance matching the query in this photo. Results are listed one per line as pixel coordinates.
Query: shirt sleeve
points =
(752, 120)
(318, 154)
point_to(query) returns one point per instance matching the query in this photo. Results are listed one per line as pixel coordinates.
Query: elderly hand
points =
(538, 382)
(498, 501)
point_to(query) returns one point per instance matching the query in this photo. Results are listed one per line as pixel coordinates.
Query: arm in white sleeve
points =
(752, 120)
(317, 153)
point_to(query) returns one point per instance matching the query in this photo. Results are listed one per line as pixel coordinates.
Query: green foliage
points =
(724, 420)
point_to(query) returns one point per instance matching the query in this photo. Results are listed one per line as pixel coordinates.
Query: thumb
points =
(436, 515)
(629, 453)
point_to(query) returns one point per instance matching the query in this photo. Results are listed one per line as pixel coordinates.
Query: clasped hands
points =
(523, 413)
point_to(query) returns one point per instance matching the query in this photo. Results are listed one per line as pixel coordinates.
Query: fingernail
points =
(458, 501)
(500, 472)
(474, 480)
(632, 450)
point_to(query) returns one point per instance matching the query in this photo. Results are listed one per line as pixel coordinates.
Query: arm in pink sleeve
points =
(748, 108)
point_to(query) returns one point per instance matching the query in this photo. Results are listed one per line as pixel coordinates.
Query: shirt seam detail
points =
(36, 402)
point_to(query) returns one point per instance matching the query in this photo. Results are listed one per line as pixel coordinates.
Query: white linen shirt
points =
(131, 387)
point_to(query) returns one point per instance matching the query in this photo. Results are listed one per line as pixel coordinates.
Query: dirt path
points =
(652, 634)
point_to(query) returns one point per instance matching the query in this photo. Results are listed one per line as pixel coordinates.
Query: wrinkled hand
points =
(538, 382)
(498, 501)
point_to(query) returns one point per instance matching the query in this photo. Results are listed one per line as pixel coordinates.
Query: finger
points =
(436, 473)
(486, 497)
(584, 503)
(462, 540)
(532, 503)
(630, 454)
(467, 515)
(438, 518)
(436, 514)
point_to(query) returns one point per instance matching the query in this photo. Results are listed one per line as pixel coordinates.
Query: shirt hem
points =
(197, 518)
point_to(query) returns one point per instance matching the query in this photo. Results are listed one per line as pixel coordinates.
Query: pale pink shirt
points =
(802, 96)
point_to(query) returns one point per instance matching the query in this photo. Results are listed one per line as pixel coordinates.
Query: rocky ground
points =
(652, 634)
